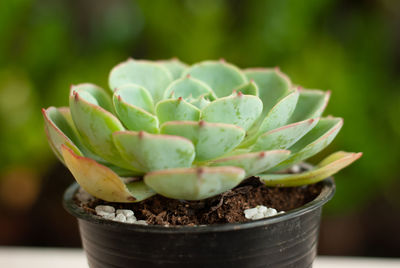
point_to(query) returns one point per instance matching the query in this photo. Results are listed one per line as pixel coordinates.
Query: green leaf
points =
(133, 105)
(238, 109)
(311, 104)
(328, 167)
(249, 88)
(94, 95)
(174, 66)
(284, 137)
(176, 110)
(277, 117)
(151, 152)
(222, 77)
(272, 85)
(188, 87)
(314, 141)
(137, 96)
(253, 163)
(95, 126)
(194, 183)
(102, 182)
(59, 132)
(210, 139)
(152, 76)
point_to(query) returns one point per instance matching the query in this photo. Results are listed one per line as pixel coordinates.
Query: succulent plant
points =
(191, 132)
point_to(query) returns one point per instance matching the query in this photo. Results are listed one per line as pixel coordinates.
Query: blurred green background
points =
(349, 47)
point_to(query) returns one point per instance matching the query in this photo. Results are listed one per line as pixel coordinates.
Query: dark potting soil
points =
(224, 208)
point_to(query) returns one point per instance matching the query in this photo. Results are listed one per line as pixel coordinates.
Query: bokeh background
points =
(349, 47)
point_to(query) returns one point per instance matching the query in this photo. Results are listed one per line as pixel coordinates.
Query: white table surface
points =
(18, 257)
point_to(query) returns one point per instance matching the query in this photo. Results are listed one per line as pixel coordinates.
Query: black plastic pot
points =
(286, 240)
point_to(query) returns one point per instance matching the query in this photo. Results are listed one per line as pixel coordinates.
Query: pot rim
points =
(326, 194)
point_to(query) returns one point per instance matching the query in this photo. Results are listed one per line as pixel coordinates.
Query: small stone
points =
(84, 196)
(295, 169)
(258, 216)
(104, 209)
(109, 216)
(270, 212)
(120, 218)
(126, 212)
(262, 209)
(260, 212)
(141, 222)
(131, 219)
(249, 213)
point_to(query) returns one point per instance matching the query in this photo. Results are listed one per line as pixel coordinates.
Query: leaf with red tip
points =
(237, 109)
(222, 77)
(176, 110)
(328, 167)
(152, 76)
(314, 141)
(276, 117)
(210, 139)
(249, 88)
(59, 132)
(311, 104)
(95, 126)
(134, 107)
(102, 182)
(284, 137)
(154, 152)
(194, 183)
(188, 87)
(253, 163)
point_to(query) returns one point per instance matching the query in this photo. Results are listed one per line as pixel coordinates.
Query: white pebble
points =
(250, 213)
(120, 218)
(296, 169)
(105, 209)
(84, 196)
(109, 216)
(126, 212)
(131, 219)
(260, 212)
(262, 209)
(141, 222)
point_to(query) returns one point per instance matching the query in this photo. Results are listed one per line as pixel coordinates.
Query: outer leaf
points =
(277, 117)
(178, 109)
(222, 77)
(95, 126)
(174, 66)
(59, 132)
(329, 166)
(133, 106)
(154, 152)
(152, 76)
(238, 109)
(253, 163)
(284, 137)
(194, 183)
(210, 139)
(188, 87)
(272, 85)
(314, 141)
(101, 181)
(311, 104)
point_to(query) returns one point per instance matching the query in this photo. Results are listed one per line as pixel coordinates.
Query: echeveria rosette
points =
(191, 132)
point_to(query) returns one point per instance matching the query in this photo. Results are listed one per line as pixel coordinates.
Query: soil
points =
(224, 208)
